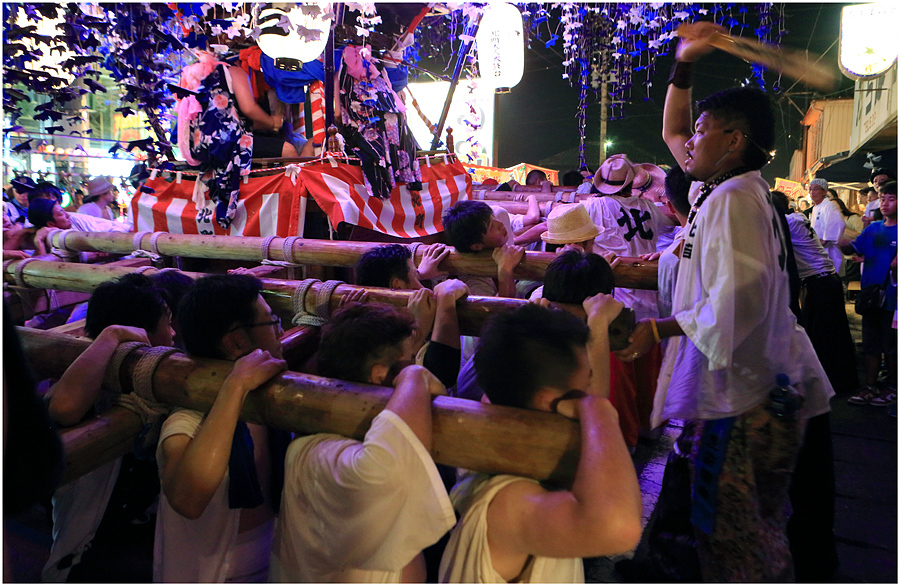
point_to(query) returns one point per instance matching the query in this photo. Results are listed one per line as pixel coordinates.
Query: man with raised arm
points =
(736, 333)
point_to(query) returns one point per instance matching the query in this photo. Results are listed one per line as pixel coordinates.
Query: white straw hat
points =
(568, 224)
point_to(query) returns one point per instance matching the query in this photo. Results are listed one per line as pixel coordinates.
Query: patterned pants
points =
(749, 542)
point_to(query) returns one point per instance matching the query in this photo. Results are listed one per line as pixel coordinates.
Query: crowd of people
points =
(746, 340)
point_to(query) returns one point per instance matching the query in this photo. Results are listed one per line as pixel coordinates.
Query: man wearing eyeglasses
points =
(218, 504)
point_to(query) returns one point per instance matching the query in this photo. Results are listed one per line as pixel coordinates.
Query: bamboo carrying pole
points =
(631, 272)
(472, 313)
(467, 434)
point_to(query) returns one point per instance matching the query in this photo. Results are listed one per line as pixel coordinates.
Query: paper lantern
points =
(309, 26)
(868, 39)
(501, 50)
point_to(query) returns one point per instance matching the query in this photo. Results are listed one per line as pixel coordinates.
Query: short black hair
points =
(173, 285)
(378, 266)
(45, 190)
(678, 189)
(889, 187)
(466, 223)
(212, 307)
(131, 300)
(535, 177)
(526, 349)
(40, 211)
(781, 202)
(865, 190)
(881, 171)
(572, 178)
(750, 109)
(573, 276)
(361, 335)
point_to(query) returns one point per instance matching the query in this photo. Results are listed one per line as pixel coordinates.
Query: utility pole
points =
(604, 107)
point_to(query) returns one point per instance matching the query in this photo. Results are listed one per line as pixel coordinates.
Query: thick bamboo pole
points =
(632, 272)
(467, 434)
(98, 441)
(472, 313)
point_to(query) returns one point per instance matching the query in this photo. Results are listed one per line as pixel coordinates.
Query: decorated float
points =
(354, 104)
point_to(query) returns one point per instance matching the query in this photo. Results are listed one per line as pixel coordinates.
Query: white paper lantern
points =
(310, 24)
(501, 50)
(868, 39)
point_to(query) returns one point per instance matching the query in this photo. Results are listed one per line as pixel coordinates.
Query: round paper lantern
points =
(868, 41)
(303, 42)
(501, 49)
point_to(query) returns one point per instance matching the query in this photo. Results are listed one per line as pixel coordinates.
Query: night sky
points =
(536, 120)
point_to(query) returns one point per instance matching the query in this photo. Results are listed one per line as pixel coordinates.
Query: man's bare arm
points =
(600, 515)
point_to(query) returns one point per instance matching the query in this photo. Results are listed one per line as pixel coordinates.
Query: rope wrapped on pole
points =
(467, 434)
(631, 272)
(472, 312)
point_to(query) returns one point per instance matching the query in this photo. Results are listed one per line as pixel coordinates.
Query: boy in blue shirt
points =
(878, 245)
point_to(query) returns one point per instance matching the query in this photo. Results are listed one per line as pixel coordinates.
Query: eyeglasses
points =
(276, 321)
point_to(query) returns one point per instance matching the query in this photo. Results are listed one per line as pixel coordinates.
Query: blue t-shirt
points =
(878, 244)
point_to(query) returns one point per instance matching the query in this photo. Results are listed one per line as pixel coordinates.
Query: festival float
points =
(357, 123)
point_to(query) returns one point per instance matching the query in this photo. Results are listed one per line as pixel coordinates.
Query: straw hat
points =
(613, 175)
(98, 186)
(649, 182)
(568, 224)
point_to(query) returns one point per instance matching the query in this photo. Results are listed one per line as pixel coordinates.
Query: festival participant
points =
(810, 528)
(862, 198)
(472, 226)
(535, 177)
(16, 239)
(47, 214)
(878, 246)
(101, 193)
(218, 474)
(363, 511)
(631, 226)
(732, 305)
(878, 177)
(823, 312)
(826, 220)
(853, 222)
(127, 310)
(16, 206)
(572, 277)
(514, 529)
(392, 265)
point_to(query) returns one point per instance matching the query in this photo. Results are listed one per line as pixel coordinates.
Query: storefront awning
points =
(852, 169)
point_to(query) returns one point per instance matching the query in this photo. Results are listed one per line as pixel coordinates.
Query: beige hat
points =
(614, 174)
(649, 182)
(568, 224)
(98, 186)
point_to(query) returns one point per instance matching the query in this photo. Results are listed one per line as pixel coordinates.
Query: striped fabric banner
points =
(269, 206)
(317, 104)
(340, 190)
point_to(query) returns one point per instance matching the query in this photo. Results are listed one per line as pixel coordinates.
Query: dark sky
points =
(536, 120)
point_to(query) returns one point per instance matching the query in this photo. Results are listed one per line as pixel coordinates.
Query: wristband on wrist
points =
(655, 330)
(682, 74)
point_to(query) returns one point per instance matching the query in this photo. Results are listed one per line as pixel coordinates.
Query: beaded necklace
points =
(708, 187)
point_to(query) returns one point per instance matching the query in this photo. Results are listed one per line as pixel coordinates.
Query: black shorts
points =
(878, 333)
